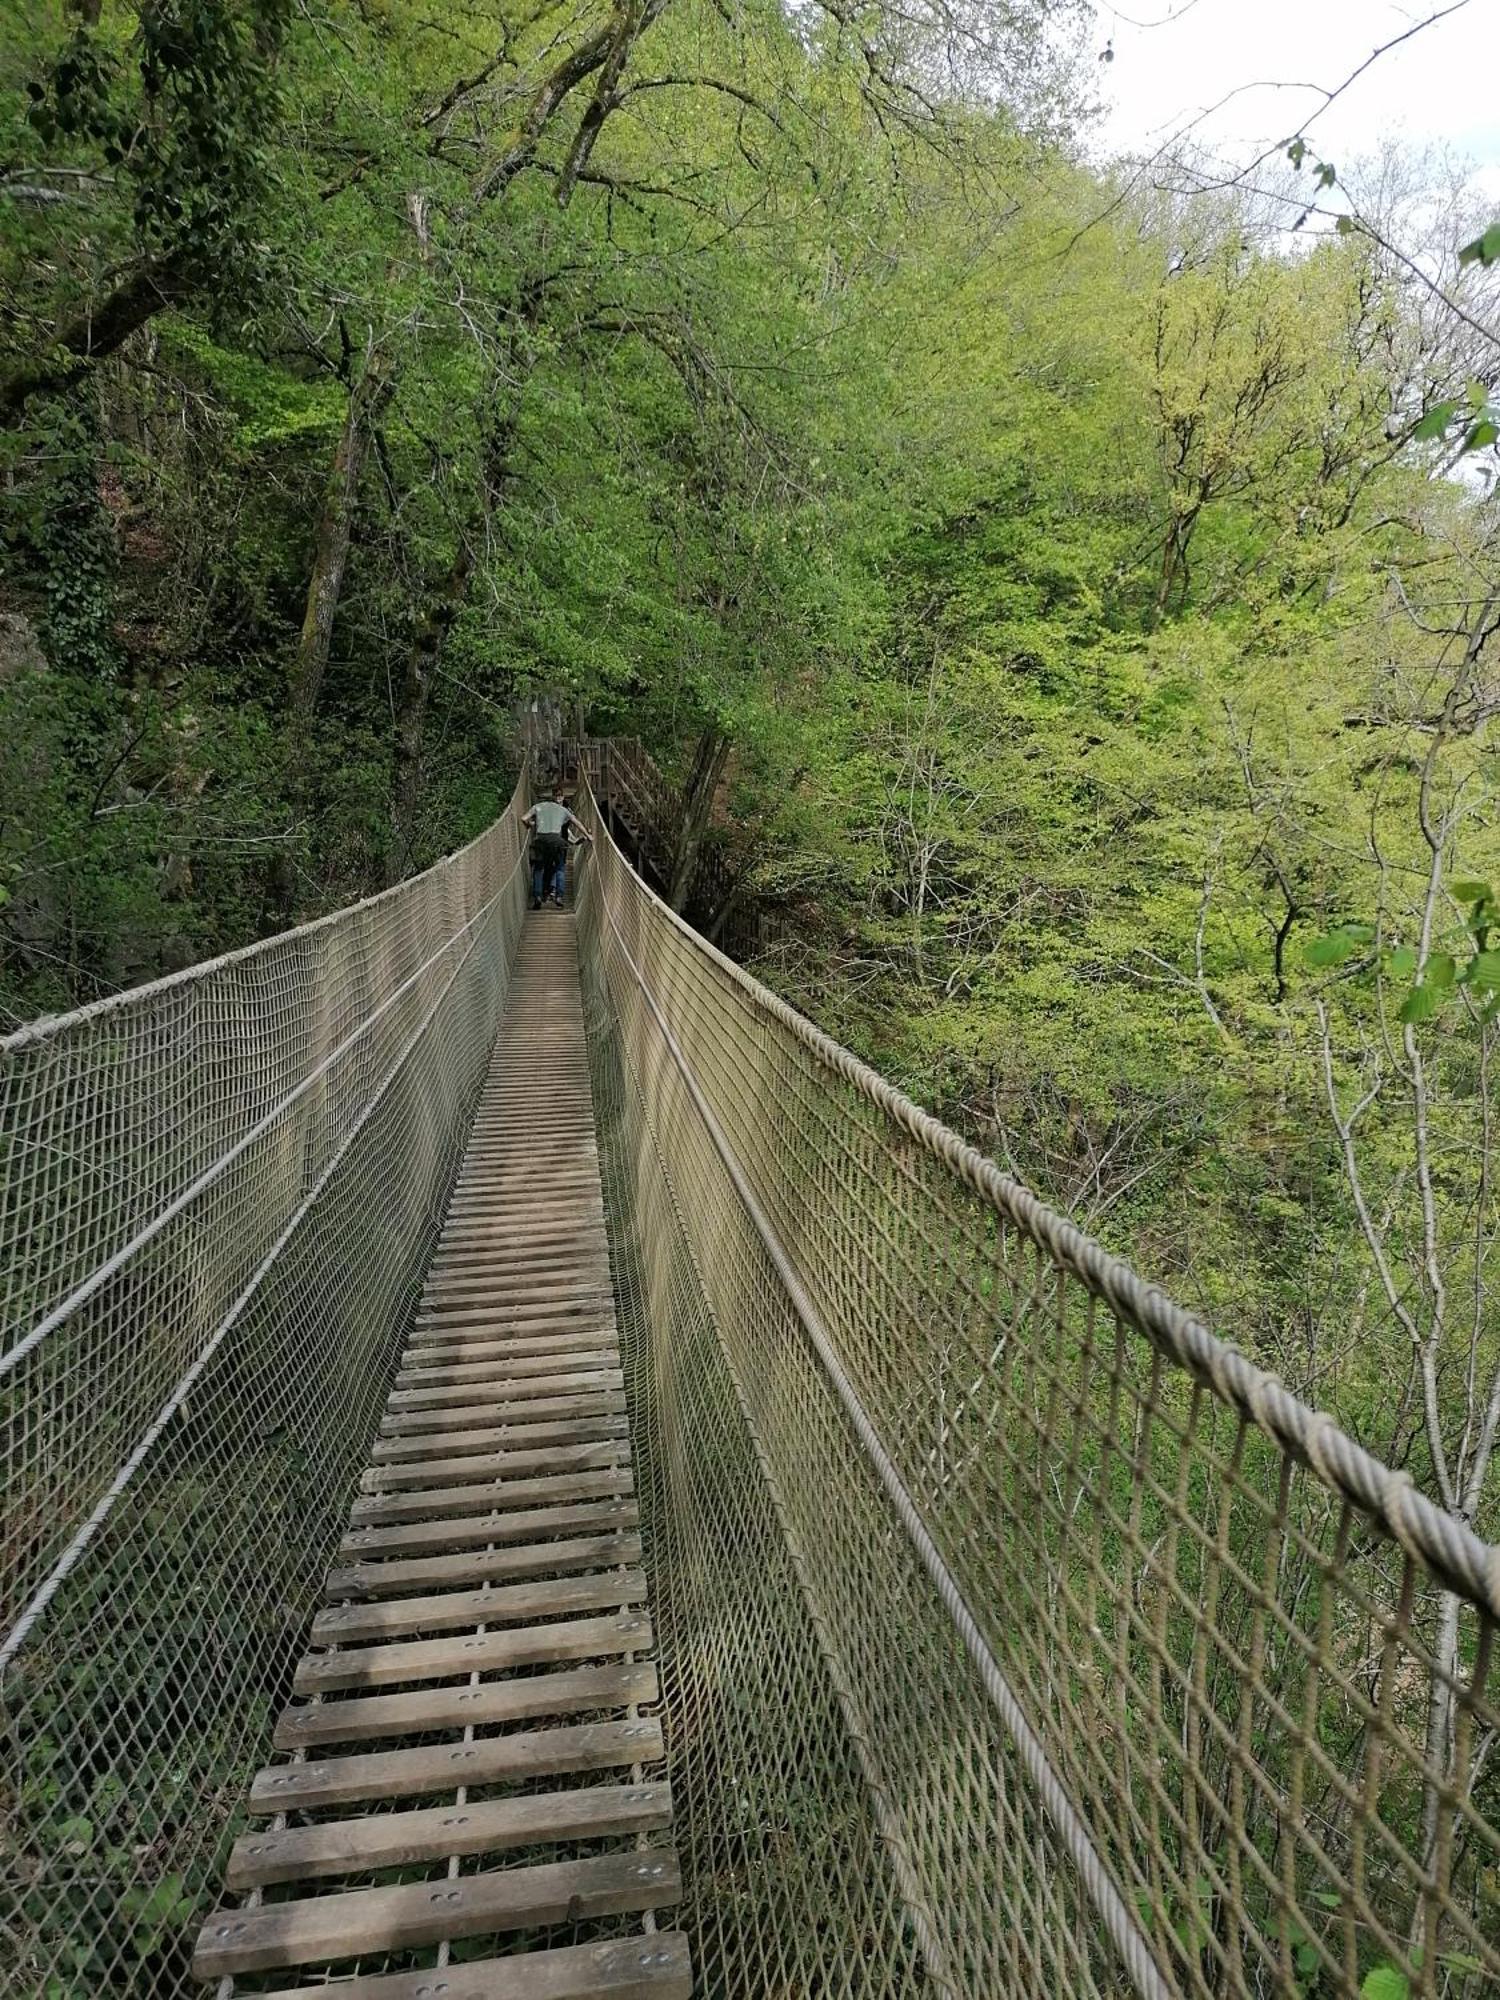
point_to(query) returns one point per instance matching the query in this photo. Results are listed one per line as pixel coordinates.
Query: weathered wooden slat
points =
(324, 1929)
(519, 1699)
(430, 1327)
(507, 1272)
(544, 1219)
(550, 1296)
(499, 1525)
(451, 1610)
(473, 1566)
(588, 1238)
(445, 1445)
(481, 1414)
(655, 1967)
(523, 1698)
(439, 1767)
(468, 1345)
(432, 1503)
(548, 1209)
(561, 1370)
(604, 1454)
(520, 1388)
(483, 1565)
(487, 1652)
(483, 1826)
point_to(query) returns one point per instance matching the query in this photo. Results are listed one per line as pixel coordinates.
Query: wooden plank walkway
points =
(471, 1763)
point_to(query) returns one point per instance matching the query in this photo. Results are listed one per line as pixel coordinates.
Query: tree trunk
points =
(411, 704)
(709, 759)
(367, 401)
(448, 597)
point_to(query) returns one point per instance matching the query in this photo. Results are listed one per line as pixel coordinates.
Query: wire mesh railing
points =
(219, 1195)
(1110, 1666)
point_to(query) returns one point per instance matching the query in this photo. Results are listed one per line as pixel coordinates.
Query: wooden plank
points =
(428, 1346)
(446, 1445)
(464, 1531)
(550, 1300)
(526, 1698)
(473, 1566)
(371, 1717)
(549, 1208)
(365, 1922)
(609, 1452)
(452, 1610)
(518, 1388)
(560, 1369)
(507, 1269)
(488, 1239)
(428, 1503)
(430, 1833)
(655, 1967)
(591, 1236)
(466, 1345)
(524, 1410)
(507, 1181)
(491, 1651)
(366, 1582)
(439, 1767)
(518, 1320)
(536, 1223)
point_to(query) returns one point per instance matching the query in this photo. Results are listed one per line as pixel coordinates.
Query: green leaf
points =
(1334, 949)
(1483, 971)
(1483, 250)
(1328, 1899)
(1297, 153)
(1442, 971)
(1473, 892)
(1435, 422)
(1327, 175)
(1385, 1983)
(1484, 432)
(1345, 225)
(1420, 1004)
(1306, 1958)
(1403, 963)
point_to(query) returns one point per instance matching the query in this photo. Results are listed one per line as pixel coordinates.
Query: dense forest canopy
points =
(1072, 589)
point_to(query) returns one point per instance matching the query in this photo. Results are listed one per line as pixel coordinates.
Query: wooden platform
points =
(471, 1805)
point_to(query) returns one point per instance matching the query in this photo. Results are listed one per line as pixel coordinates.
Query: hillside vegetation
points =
(1067, 591)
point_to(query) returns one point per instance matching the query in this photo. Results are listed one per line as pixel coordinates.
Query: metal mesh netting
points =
(220, 1194)
(1135, 1671)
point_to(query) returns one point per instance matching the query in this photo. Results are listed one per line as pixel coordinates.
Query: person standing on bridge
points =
(554, 826)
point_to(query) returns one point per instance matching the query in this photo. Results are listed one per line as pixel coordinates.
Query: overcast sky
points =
(1173, 58)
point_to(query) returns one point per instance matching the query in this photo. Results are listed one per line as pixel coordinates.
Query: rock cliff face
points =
(20, 651)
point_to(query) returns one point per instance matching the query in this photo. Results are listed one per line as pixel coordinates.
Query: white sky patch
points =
(1246, 64)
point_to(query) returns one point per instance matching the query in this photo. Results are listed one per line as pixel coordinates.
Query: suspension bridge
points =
(531, 1473)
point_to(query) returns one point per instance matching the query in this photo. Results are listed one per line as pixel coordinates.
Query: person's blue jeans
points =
(549, 867)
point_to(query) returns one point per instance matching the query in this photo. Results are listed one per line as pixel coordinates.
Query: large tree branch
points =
(93, 335)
